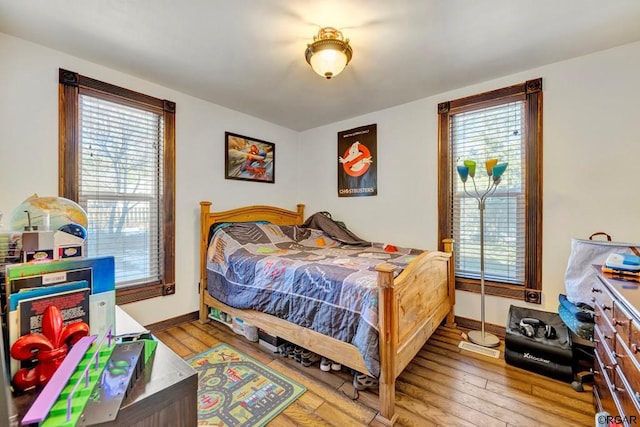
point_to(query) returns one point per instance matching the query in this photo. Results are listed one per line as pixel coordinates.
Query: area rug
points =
(236, 390)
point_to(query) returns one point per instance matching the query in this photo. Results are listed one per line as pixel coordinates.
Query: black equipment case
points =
(534, 347)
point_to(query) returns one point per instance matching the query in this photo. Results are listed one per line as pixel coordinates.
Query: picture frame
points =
(357, 161)
(249, 159)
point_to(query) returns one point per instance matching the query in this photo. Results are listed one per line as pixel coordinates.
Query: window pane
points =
(494, 132)
(121, 150)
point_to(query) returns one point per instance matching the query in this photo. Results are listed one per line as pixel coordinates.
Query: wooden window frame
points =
(531, 92)
(71, 84)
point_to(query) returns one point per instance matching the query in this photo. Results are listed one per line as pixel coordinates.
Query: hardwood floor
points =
(443, 386)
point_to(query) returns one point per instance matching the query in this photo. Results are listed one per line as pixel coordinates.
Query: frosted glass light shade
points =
(328, 62)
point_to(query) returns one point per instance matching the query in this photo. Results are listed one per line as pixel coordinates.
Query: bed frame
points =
(411, 307)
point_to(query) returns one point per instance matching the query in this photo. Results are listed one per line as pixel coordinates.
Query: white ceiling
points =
(248, 55)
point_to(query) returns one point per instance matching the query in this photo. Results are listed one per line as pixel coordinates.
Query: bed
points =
(410, 305)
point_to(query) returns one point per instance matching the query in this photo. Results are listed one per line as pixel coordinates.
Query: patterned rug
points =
(236, 390)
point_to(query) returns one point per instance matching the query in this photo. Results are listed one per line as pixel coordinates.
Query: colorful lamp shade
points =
(498, 170)
(490, 164)
(471, 164)
(463, 171)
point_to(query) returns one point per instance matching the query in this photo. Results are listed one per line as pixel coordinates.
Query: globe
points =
(60, 212)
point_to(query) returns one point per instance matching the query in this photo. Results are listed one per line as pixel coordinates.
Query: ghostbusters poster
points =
(357, 157)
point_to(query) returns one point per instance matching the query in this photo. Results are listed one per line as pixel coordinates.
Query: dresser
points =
(166, 396)
(617, 347)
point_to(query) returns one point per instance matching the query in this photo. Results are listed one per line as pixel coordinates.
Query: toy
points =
(50, 347)
(75, 230)
(623, 262)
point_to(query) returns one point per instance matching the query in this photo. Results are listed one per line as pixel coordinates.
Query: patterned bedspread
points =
(303, 276)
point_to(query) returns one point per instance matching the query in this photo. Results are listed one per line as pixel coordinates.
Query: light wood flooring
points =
(443, 386)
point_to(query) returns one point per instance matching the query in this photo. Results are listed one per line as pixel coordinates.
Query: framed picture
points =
(249, 159)
(357, 162)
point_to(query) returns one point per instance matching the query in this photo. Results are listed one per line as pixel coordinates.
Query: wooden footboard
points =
(411, 306)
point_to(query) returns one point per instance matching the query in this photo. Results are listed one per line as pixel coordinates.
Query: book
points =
(621, 274)
(26, 309)
(73, 305)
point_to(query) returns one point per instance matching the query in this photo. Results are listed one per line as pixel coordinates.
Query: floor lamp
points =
(494, 174)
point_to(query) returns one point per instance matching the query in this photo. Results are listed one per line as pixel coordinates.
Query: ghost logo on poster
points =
(356, 160)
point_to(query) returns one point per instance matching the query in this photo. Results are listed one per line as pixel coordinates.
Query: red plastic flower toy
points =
(49, 348)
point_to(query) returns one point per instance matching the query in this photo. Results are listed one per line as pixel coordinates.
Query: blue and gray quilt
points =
(303, 276)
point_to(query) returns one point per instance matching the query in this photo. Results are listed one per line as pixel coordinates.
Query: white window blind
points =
(120, 186)
(481, 134)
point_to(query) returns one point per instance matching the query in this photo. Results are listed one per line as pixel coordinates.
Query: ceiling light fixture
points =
(329, 53)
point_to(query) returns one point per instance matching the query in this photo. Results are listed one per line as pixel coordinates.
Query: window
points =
(505, 124)
(117, 161)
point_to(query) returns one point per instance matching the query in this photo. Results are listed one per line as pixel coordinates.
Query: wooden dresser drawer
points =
(629, 369)
(605, 355)
(627, 399)
(603, 387)
(603, 324)
(601, 297)
(621, 320)
(634, 342)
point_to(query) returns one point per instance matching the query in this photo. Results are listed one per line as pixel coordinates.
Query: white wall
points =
(591, 153)
(29, 154)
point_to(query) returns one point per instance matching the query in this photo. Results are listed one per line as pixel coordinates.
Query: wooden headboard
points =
(272, 214)
(252, 213)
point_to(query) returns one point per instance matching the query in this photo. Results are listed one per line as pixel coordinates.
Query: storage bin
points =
(551, 357)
